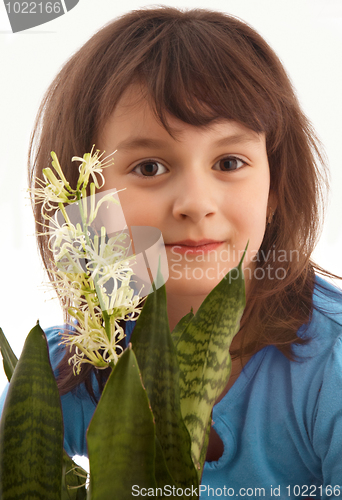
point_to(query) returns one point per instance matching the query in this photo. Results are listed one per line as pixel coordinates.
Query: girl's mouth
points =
(194, 247)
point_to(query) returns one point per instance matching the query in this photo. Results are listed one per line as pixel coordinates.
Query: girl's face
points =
(206, 190)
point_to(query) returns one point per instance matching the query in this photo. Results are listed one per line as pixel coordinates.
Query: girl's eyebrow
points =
(147, 142)
(141, 142)
(239, 138)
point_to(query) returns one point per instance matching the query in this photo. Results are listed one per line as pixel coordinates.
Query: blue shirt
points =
(280, 423)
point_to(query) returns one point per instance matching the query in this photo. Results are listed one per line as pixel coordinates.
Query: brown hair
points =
(199, 66)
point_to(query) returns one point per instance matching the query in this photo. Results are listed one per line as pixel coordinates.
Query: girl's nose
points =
(194, 199)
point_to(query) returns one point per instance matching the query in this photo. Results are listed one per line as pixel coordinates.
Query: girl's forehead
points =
(135, 113)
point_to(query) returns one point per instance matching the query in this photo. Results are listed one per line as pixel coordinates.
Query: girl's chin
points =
(190, 287)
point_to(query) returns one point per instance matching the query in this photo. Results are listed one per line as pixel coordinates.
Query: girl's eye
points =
(229, 164)
(149, 168)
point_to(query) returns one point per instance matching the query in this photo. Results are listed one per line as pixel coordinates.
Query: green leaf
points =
(9, 359)
(204, 359)
(31, 428)
(121, 435)
(162, 474)
(157, 358)
(180, 327)
(73, 480)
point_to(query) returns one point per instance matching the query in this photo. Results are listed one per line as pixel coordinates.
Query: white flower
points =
(92, 343)
(92, 272)
(91, 166)
(51, 192)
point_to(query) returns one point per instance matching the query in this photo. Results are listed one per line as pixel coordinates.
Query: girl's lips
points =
(193, 247)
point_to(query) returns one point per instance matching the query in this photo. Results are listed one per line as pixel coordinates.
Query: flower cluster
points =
(92, 269)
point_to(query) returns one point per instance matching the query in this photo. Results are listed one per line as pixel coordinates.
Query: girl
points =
(214, 150)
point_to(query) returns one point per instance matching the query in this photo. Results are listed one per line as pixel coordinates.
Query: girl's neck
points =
(180, 305)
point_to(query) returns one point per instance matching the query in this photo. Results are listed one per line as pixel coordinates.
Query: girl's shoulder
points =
(312, 363)
(325, 325)
(327, 298)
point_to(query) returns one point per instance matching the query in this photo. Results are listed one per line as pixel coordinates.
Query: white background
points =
(307, 36)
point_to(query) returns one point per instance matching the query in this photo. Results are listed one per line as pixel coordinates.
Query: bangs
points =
(204, 71)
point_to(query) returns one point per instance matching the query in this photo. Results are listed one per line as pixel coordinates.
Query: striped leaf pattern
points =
(180, 327)
(204, 360)
(31, 429)
(157, 358)
(121, 435)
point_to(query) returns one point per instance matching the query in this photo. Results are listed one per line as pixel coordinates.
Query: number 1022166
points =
(34, 7)
(313, 491)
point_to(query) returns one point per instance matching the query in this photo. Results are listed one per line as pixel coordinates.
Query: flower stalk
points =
(93, 269)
